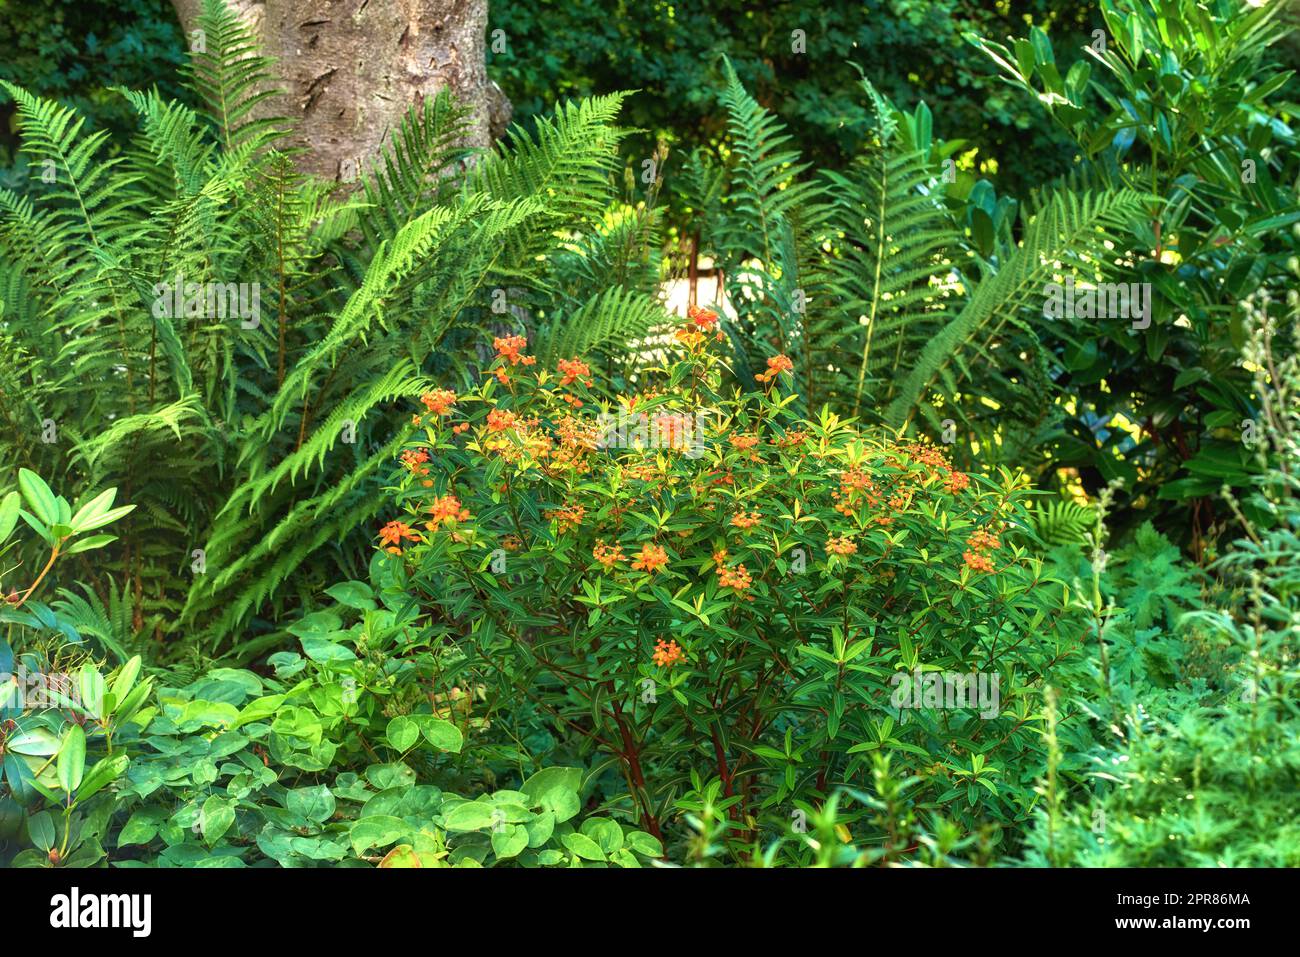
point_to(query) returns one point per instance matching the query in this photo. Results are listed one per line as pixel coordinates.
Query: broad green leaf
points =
(38, 496)
(216, 819)
(377, 831)
(72, 759)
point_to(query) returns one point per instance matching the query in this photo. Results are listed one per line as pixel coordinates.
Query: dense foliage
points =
(405, 527)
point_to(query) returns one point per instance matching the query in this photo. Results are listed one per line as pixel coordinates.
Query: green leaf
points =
(321, 649)
(40, 829)
(555, 789)
(353, 594)
(471, 816)
(8, 515)
(39, 498)
(104, 772)
(583, 846)
(442, 734)
(91, 685)
(509, 840)
(215, 819)
(89, 544)
(402, 733)
(313, 803)
(96, 507)
(72, 759)
(140, 828)
(645, 844)
(377, 831)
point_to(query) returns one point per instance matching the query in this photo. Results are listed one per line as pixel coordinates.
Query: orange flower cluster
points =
(571, 370)
(791, 439)
(775, 366)
(568, 517)
(704, 318)
(446, 510)
(743, 519)
(956, 482)
(393, 533)
(607, 555)
(651, 559)
(645, 471)
(743, 442)
(439, 401)
(854, 485)
(511, 349)
(499, 420)
(737, 578)
(577, 438)
(413, 459)
(512, 542)
(981, 543)
(667, 654)
(841, 545)
(690, 338)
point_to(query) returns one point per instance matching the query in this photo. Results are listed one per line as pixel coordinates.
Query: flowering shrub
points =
(738, 606)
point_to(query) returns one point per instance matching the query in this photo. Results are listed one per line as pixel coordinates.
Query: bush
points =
(1207, 772)
(700, 586)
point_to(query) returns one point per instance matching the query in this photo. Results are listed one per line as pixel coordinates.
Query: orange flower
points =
(691, 338)
(775, 366)
(982, 541)
(979, 563)
(667, 654)
(414, 458)
(704, 318)
(447, 509)
(737, 578)
(499, 420)
(842, 545)
(393, 533)
(743, 519)
(569, 516)
(743, 442)
(573, 369)
(439, 401)
(511, 348)
(956, 482)
(651, 559)
(607, 555)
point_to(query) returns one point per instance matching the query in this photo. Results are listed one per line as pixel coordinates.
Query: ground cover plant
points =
(435, 518)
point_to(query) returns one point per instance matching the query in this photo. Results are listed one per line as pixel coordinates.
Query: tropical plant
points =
(1183, 101)
(1205, 774)
(867, 277)
(230, 343)
(730, 605)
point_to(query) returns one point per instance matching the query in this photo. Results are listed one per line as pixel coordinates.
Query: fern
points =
(1068, 230)
(233, 79)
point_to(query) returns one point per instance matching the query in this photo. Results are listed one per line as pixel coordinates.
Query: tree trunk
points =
(352, 68)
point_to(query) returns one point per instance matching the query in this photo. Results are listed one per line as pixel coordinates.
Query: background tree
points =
(351, 70)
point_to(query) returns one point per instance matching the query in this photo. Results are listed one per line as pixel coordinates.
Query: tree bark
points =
(352, 68)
